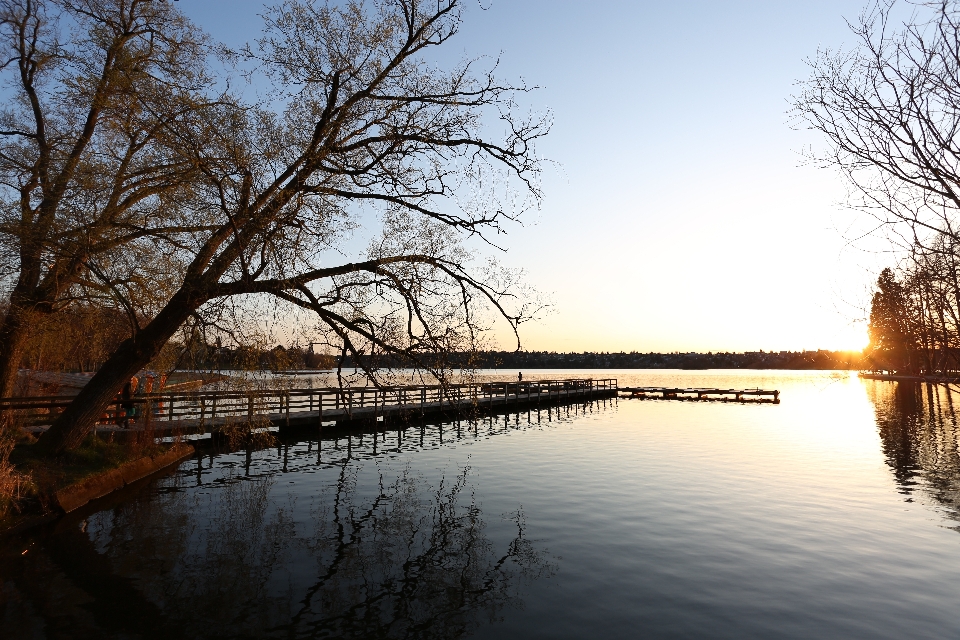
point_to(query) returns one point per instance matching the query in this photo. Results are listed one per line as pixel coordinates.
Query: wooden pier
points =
(716, 395)
(185, 413)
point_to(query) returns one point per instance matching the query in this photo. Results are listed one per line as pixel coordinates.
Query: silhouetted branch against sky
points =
(356, 116)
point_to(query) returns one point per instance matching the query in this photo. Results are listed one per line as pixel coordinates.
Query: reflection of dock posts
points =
(319, 416)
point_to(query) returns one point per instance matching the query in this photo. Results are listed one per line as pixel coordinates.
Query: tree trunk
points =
(79, 418)
(14, 333)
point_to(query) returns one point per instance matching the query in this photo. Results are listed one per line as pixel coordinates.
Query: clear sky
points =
(680, 216)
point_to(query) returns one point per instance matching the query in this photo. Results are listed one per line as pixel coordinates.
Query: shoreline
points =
(52, 502)
(896, 377)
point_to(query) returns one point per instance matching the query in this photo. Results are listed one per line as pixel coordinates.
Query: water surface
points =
(833, 514)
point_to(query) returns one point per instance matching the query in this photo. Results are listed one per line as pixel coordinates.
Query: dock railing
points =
(282, 405)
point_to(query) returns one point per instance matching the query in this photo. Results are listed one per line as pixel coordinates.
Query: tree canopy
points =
(260, 193)
(887, 108)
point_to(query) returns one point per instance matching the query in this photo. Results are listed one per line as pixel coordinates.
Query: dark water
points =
(833, 514)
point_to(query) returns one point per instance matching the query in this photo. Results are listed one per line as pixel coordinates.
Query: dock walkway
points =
(167, 414)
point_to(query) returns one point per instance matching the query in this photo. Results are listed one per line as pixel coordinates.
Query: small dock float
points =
(716, 395)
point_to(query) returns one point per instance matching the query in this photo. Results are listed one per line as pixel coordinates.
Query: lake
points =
(832, 514)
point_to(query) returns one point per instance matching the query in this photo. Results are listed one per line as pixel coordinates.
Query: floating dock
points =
(702, 394)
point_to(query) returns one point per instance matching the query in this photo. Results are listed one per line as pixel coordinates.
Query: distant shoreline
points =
(788, 360)
(895, 377)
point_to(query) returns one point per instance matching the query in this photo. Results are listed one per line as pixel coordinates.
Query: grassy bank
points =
(29, 480)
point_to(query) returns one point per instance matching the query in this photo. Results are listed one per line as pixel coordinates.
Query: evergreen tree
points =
(891, 343)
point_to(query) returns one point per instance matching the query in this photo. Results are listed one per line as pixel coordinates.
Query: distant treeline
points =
(519, 360)
(81, 337)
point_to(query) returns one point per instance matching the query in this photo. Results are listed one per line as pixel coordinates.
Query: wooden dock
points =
(166, 414)
(702, 394)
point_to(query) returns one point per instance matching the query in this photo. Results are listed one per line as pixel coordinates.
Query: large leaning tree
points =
(359, 117)
(99, 101)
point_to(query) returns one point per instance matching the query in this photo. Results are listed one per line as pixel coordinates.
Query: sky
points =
(678, 211)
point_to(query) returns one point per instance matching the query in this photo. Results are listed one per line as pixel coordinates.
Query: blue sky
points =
(679, 216)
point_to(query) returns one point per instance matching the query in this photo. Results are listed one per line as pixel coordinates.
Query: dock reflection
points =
(231, 548)
(921, 440)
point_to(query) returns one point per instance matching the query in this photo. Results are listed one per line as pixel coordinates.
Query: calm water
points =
(833, 514)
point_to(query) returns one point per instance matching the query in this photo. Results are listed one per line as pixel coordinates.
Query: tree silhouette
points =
(891, 343)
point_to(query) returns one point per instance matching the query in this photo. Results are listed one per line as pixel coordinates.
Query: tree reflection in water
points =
(919, 434)
(244, 559)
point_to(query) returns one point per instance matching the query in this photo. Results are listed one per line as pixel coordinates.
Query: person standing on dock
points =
(126, 406)
(520, 376)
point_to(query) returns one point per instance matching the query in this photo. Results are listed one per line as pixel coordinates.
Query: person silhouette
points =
(520, 376)
(127, 410)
